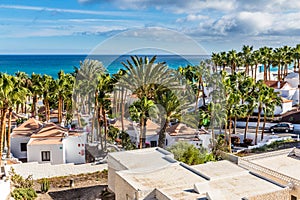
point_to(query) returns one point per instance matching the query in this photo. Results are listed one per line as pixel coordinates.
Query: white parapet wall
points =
(4, 189)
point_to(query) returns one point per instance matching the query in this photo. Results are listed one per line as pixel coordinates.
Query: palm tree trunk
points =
(141, 133)
(105, 126)
(255, 71)
(278, 72)
(60, 109)
(265, 73)
(99, 128)
(246, 128)
(229, 135)
(3, 129)
(257, 125)
(122, 109)
(162, 135)
(235, 119)
(34, 102)
(8, 133)
(264, 125)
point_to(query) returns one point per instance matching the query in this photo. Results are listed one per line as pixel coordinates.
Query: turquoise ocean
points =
(52, 64)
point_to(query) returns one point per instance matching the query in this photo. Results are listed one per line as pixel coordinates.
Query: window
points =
(23, 146)
(45, 155)
(153, 143)
(293, 197)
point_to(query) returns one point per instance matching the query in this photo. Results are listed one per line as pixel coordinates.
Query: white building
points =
(56, 145)
(152, 173)
(21, 135)
(48, 143)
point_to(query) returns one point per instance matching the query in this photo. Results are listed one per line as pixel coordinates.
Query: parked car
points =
(282, 127)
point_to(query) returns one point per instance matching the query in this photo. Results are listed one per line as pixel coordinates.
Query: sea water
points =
(52, 64)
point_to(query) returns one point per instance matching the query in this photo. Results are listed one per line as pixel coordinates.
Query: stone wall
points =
(283, 194)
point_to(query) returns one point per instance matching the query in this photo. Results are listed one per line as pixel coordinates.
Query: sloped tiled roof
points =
(180, 129)
(28, 128)
(50, 130)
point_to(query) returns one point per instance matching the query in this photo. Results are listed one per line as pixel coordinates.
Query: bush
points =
(189, 154)
(248, 141)
(19, 181)
(45, 185)
(24, 193)
(235, 140)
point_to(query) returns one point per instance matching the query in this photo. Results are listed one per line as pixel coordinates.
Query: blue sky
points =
(78, 26)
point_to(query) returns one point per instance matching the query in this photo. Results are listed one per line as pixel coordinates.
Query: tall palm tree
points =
(47, 85)
(104, 88)
(256, 59)
(270, 101)
(246, 57)
(6, 88)
(233, 60)
(63, 89)
(24, 81)
(140, 112)
(171, 110)
(266, 59)
(16, 96)
(144, 77)
(261, 92)
(36, 91)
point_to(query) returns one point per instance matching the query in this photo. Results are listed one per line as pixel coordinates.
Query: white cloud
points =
(59, 10)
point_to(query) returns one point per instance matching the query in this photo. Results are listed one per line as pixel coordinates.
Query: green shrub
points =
(19, 181)
(189, 154)
(45, 185)
(24, 194)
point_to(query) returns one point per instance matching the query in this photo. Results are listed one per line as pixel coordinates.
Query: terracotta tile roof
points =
(50, 130)
(151, 125)
(127, 124)
(28, 128)
(274, 84)
(40, 141)
(180, 129)
(14, 117)
(284, 100)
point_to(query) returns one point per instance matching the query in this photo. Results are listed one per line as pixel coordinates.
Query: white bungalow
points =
(56, 145)
(21, 135)
(48, 142)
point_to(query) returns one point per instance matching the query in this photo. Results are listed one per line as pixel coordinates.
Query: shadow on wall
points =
(87, 193)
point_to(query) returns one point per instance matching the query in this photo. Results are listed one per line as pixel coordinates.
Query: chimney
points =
(278, 84)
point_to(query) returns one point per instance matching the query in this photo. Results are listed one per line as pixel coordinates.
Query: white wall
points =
(15, 143)
(285, 108)
(75, 148)
(57, 153)
(4, 190)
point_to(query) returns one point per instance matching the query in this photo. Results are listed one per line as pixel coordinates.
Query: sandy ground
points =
(82, 190)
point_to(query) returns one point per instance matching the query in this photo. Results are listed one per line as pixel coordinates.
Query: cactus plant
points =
(45, 185)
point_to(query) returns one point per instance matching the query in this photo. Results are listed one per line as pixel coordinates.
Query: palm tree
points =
(270, 101)
(246, 56)
(24, 81)
(6, 88)
(104, 88)
(36, 91)
(47, 85)
(171, 110)
(63, 89)
(261, 92)
(256, 59)
(16, 96)
(266, 59)
(144, 77)
(140, 112)
(233, 60)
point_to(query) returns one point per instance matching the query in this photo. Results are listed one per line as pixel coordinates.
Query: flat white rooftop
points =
(143, 160)
(173, 180)
(282, 164)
